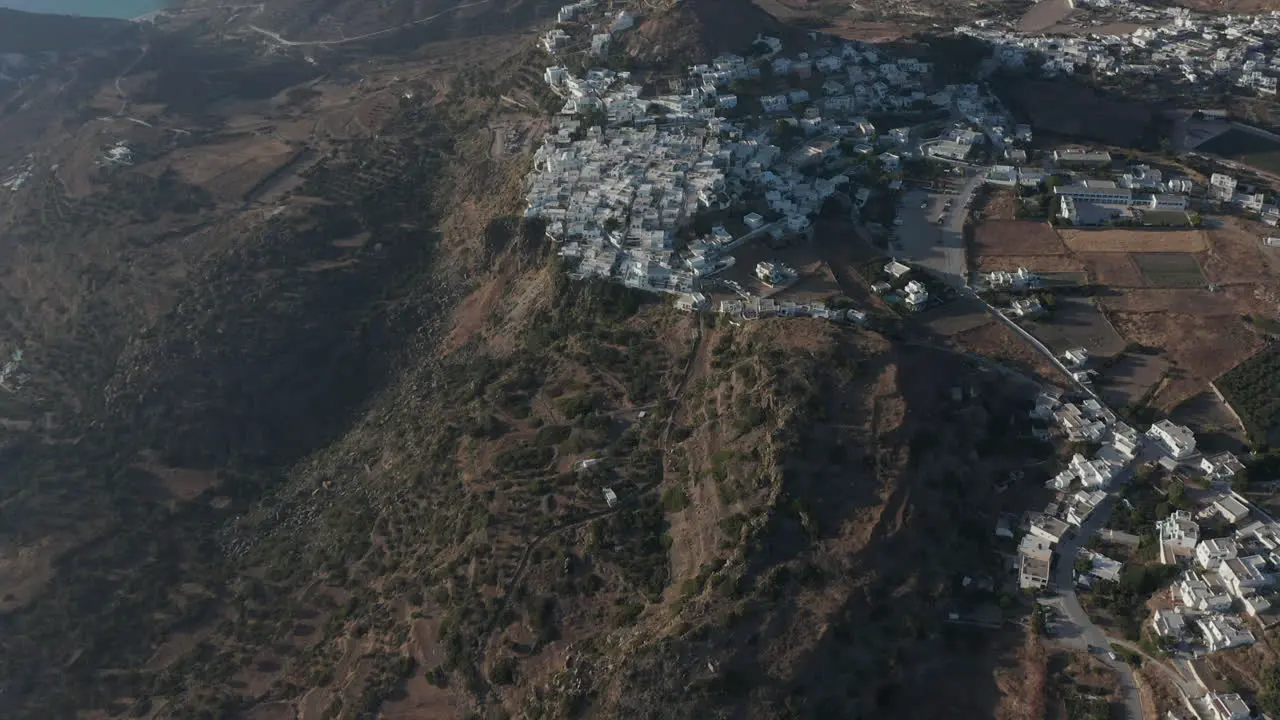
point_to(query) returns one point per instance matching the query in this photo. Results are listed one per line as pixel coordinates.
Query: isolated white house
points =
(1220, 633)
(1035, 556)
(1221, 467)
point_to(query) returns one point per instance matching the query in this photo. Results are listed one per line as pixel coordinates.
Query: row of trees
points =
(1253, 389)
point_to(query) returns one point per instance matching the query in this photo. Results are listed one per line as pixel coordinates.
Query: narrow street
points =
(1075, 629)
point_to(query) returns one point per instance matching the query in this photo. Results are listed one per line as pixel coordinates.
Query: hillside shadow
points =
(886, 650)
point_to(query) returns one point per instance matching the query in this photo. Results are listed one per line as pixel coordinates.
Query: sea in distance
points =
(88, 8)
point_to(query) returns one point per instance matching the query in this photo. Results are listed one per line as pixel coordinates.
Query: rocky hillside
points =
(310, 424)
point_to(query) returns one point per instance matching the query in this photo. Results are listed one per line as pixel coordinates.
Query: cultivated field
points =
(1215, 425)
(1253, 390)
(1246, 147)
(1134, 241)
(1175, 270)
(1112, 269)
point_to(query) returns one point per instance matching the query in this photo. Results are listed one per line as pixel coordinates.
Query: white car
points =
(897, 221)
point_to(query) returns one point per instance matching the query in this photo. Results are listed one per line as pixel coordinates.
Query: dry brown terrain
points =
(1017, 237)
(318, 437)
(999, 204)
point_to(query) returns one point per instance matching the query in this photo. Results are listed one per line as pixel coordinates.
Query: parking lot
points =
(920, 238)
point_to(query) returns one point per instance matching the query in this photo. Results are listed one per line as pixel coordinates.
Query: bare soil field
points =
(955, 317)
(24, 570)
(1172, 270)
(1130, 380)
(1075, 673)
(1174, 300)
(1134, 241)
(1076, 322)
(1112, 269)
(1044, 15)
(1017, 237)
(1236, 255)
(232, 169)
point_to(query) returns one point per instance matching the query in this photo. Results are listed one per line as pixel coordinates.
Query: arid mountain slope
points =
(312, 425)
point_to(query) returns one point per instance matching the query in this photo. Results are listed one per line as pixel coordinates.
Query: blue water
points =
(87, 8)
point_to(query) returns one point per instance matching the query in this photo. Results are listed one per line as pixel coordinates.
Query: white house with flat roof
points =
(1243, 574)
(1212, 552)
(1178, 535)
(1035, 556)
(1177, 440)
(1169, 623)
(1227, 706)
(1049, 528)
(1230, 508)
(1222, 632)
(1221, 467)
(1202, 592)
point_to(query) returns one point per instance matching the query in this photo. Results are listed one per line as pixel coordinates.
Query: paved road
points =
(1178, 674)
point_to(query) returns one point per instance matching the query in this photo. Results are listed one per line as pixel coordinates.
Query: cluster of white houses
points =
(1226, 189)
(1082, 486)
(1183, 47)
(1224, 575)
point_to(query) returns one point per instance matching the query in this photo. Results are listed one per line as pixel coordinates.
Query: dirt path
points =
(314, 43)
(690, 370)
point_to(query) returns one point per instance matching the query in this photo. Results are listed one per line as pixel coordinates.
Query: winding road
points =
(1087, 635)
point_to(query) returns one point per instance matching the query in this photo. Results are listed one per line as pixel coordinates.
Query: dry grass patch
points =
(1035, 263)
